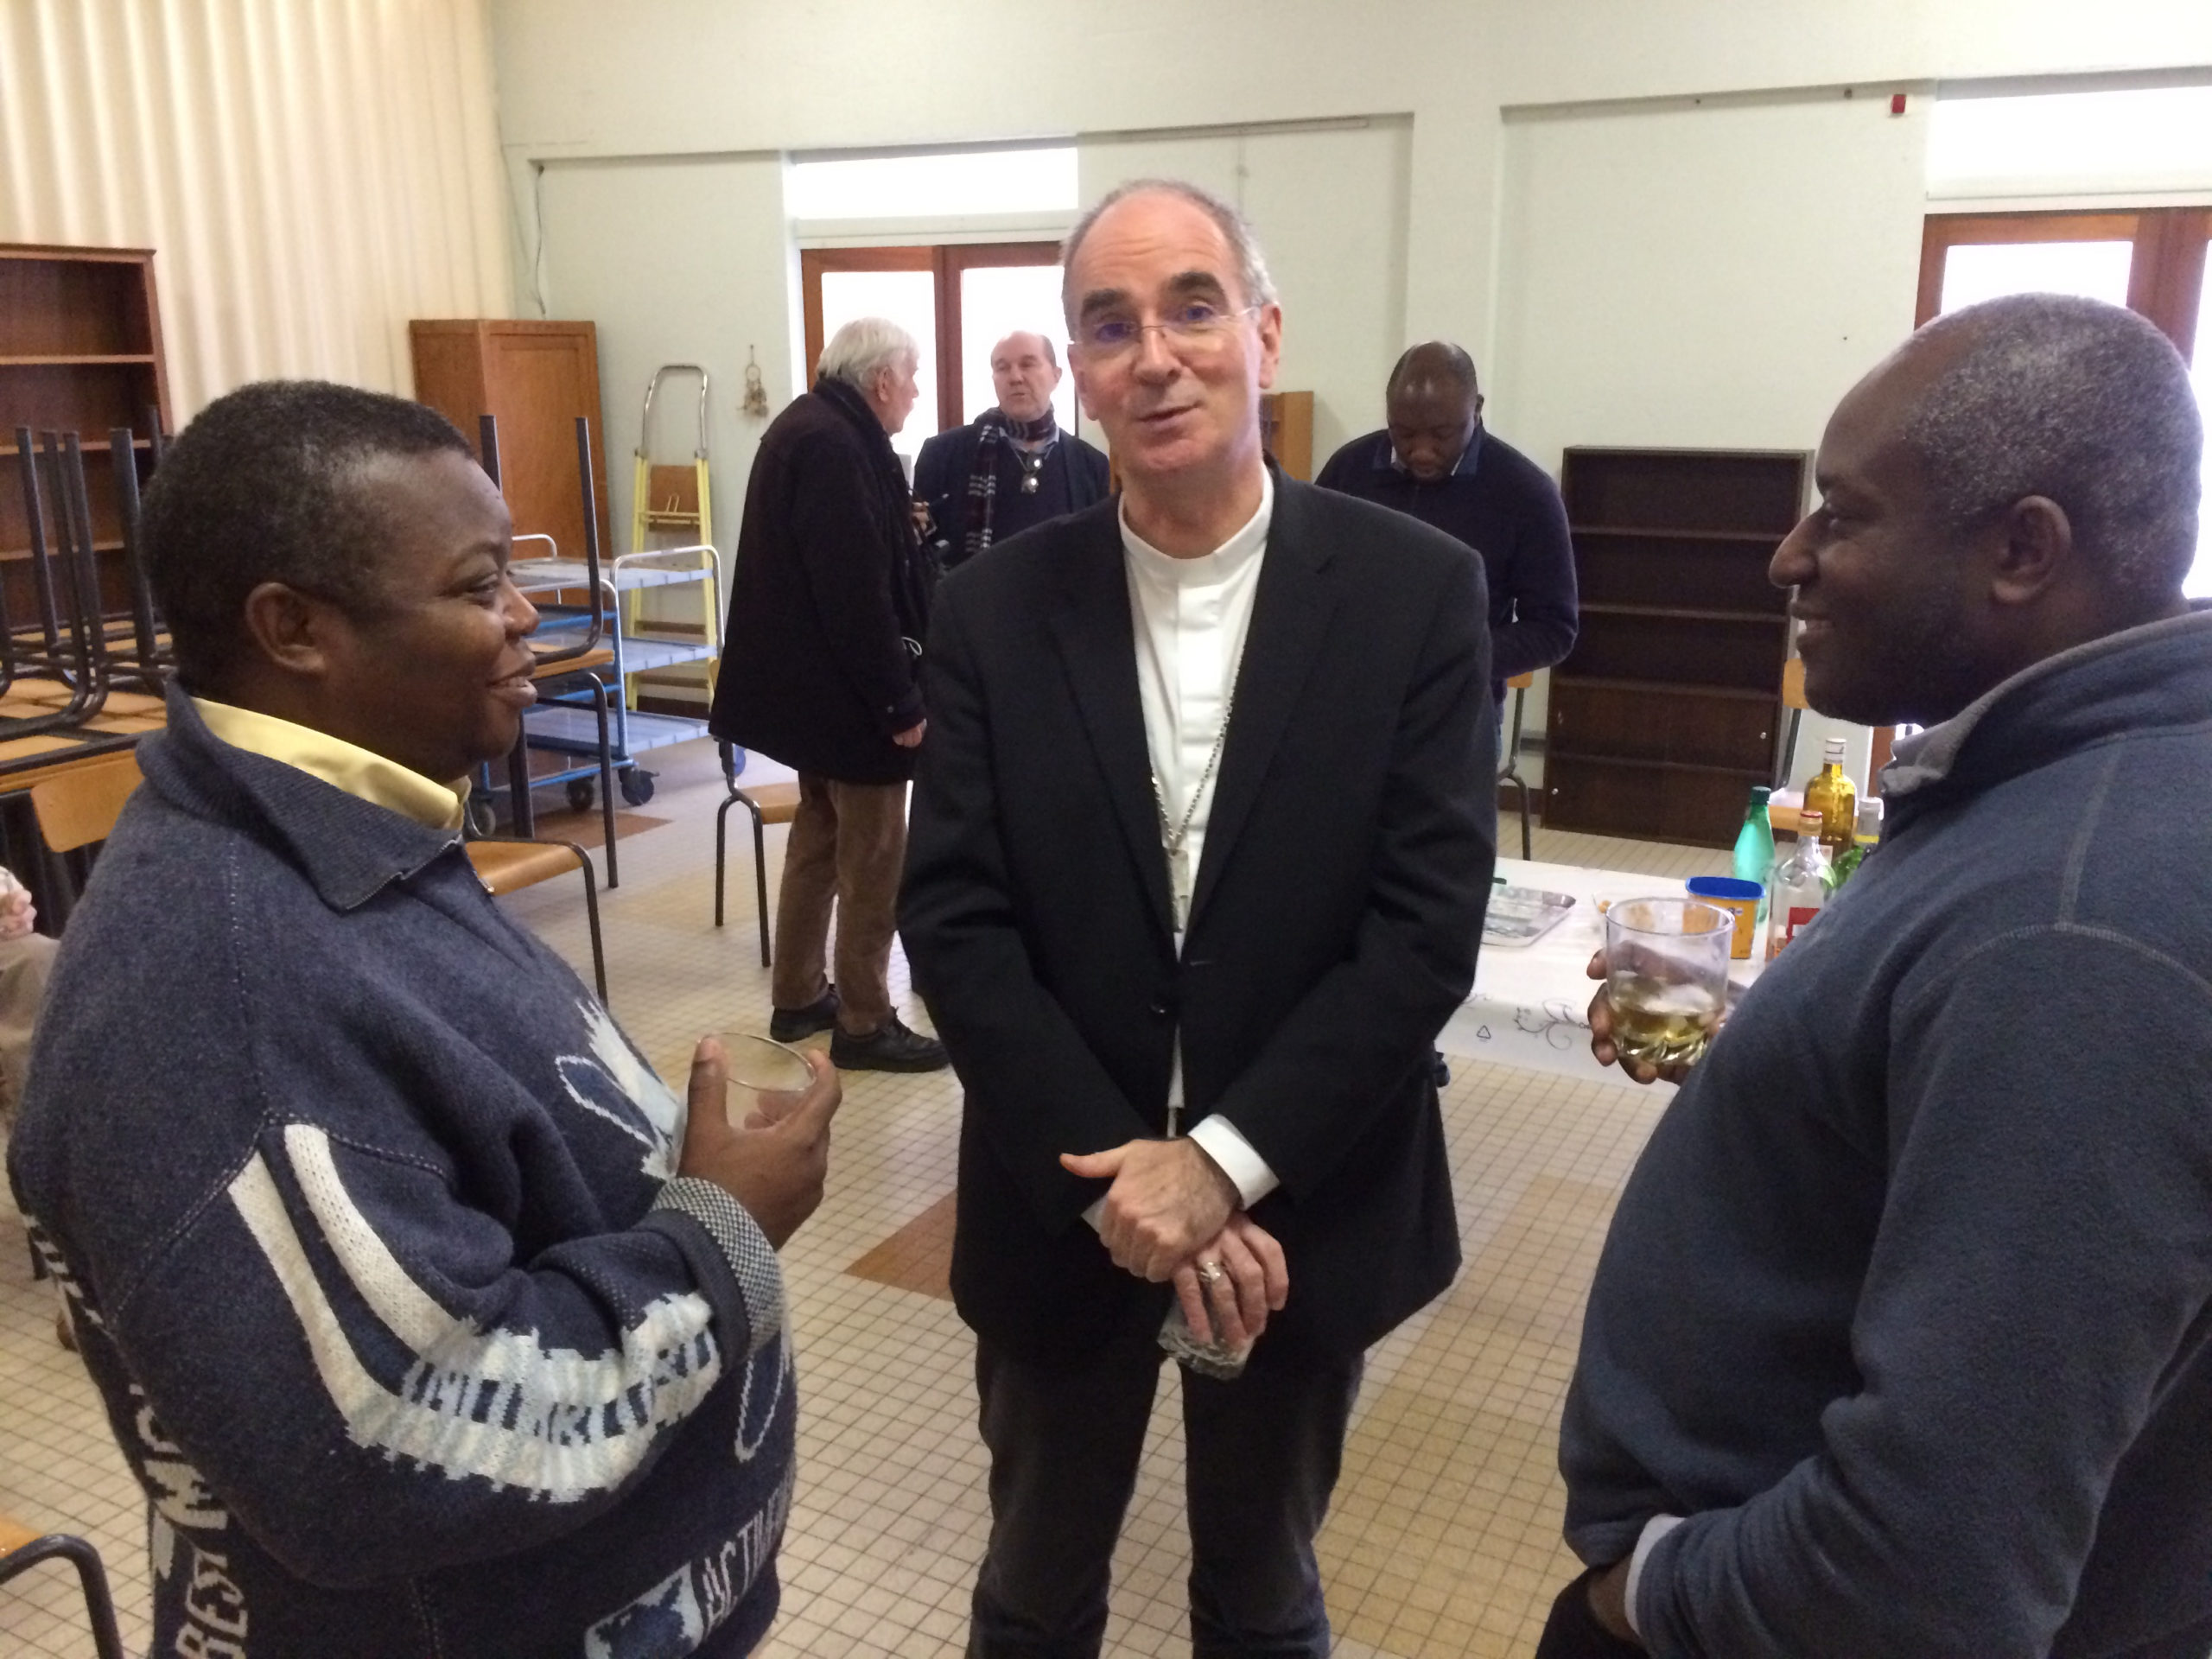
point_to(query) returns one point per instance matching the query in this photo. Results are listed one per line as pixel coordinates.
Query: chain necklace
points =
(1175, 839)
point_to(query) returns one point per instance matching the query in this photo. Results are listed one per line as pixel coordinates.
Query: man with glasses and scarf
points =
(1201, 840)
(1010, 468)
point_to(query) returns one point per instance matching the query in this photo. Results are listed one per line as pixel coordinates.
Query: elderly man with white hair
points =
(819, 671)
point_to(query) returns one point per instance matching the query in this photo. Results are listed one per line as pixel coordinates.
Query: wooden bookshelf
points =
(1664, 714)
(80, 351)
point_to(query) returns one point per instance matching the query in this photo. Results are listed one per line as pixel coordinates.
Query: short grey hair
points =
(1251, 262)
(863, 349)
(2077, 400)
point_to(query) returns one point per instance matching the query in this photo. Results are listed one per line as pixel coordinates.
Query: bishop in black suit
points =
(1297, 683)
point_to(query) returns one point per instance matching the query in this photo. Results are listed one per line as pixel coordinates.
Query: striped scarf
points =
(994, 427)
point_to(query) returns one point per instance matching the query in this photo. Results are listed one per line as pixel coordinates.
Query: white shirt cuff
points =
(1654, 1530)
(1221, 1140)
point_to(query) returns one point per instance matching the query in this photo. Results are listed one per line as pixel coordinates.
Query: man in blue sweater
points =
(430, 1320)
(1901, 1343)
(1436, 461)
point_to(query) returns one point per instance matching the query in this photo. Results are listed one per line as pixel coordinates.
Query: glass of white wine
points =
(1666, 976)
(763, 1066)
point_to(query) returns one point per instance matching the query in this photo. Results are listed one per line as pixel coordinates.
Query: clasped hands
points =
(1170, 1214)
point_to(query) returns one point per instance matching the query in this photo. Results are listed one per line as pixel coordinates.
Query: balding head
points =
(1432, 402)
(2081, 402)
(2017, 479)
(1025, 371)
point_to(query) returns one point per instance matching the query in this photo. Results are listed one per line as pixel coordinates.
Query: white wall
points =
(676, 260)
(1335, 202)
(310, 177)
(1676, 278)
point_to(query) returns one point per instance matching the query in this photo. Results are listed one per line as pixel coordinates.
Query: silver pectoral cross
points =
(1179, 886)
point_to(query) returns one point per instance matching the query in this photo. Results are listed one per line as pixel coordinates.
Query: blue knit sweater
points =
(363, 1208)
(1908, 1305)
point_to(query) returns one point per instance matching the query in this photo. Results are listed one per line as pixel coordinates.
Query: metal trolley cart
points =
(567, 722)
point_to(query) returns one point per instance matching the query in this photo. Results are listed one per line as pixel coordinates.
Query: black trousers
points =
(1573, 1632)
(1064, 1440)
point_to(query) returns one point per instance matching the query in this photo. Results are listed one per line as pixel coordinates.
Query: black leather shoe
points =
(1439, 1072)
(889, 1047)
(789, 1024)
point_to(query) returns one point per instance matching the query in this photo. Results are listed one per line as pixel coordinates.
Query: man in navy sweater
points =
(1436, 461)
(430, 1319)
(1902, 1340)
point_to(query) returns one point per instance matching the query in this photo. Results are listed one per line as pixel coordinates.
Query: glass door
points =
(957, 299)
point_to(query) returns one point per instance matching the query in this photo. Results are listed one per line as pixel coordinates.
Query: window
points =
(2151, 259)
(957, 300)
(2139, 141)
(938, 185)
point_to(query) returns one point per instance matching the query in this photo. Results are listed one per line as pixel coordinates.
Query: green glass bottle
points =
(1755, 844)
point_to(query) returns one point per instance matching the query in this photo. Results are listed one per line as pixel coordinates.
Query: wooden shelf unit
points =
(1664, 714)
(80, 351)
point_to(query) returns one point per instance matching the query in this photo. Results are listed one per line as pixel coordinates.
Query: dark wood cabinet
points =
(1664, 714)
(80, 351)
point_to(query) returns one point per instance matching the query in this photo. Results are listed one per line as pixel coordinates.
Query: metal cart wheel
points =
(637, 785)
(581, 794)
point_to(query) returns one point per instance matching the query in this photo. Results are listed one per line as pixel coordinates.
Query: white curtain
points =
(311, 173)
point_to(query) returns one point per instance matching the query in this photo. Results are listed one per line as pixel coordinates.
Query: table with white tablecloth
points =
(1530, 1005)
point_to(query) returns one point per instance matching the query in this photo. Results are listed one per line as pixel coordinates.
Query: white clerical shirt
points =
(1190, 617)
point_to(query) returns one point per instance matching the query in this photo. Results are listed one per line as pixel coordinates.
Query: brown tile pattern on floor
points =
(918, 1257)
(1443, 1539)
(891, 1512)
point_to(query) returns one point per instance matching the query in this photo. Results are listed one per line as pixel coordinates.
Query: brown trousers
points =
(847, 843)
(24, 964)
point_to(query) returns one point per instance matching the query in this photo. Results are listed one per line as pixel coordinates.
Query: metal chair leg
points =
(759, 877)
(100, 1607)
(721, 816)
(606, 774)
(591, 916)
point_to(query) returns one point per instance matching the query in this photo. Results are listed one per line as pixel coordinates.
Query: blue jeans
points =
(1065, 1440)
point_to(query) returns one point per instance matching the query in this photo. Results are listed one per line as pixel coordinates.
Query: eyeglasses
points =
(1196, 324)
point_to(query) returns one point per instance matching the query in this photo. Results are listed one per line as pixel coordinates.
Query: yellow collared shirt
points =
(359, 771)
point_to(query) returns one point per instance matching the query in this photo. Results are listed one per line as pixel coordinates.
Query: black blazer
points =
(1333, 927)
(941, 473)
(828, 587)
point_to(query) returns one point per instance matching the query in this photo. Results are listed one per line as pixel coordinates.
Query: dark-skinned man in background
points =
(1437, 461)
(1901, 1343)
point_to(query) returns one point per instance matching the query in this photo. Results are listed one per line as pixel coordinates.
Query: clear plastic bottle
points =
(1801, 885)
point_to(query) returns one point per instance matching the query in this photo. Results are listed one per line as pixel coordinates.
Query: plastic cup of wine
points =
(762, 1067)
(1666, 976)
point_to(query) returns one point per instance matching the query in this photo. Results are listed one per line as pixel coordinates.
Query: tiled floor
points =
(1444, 1539)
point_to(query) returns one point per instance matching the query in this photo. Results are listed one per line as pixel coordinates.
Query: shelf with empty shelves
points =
(1625, 532)
(1673, 689)
(1644, 763)
(1674, 613)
